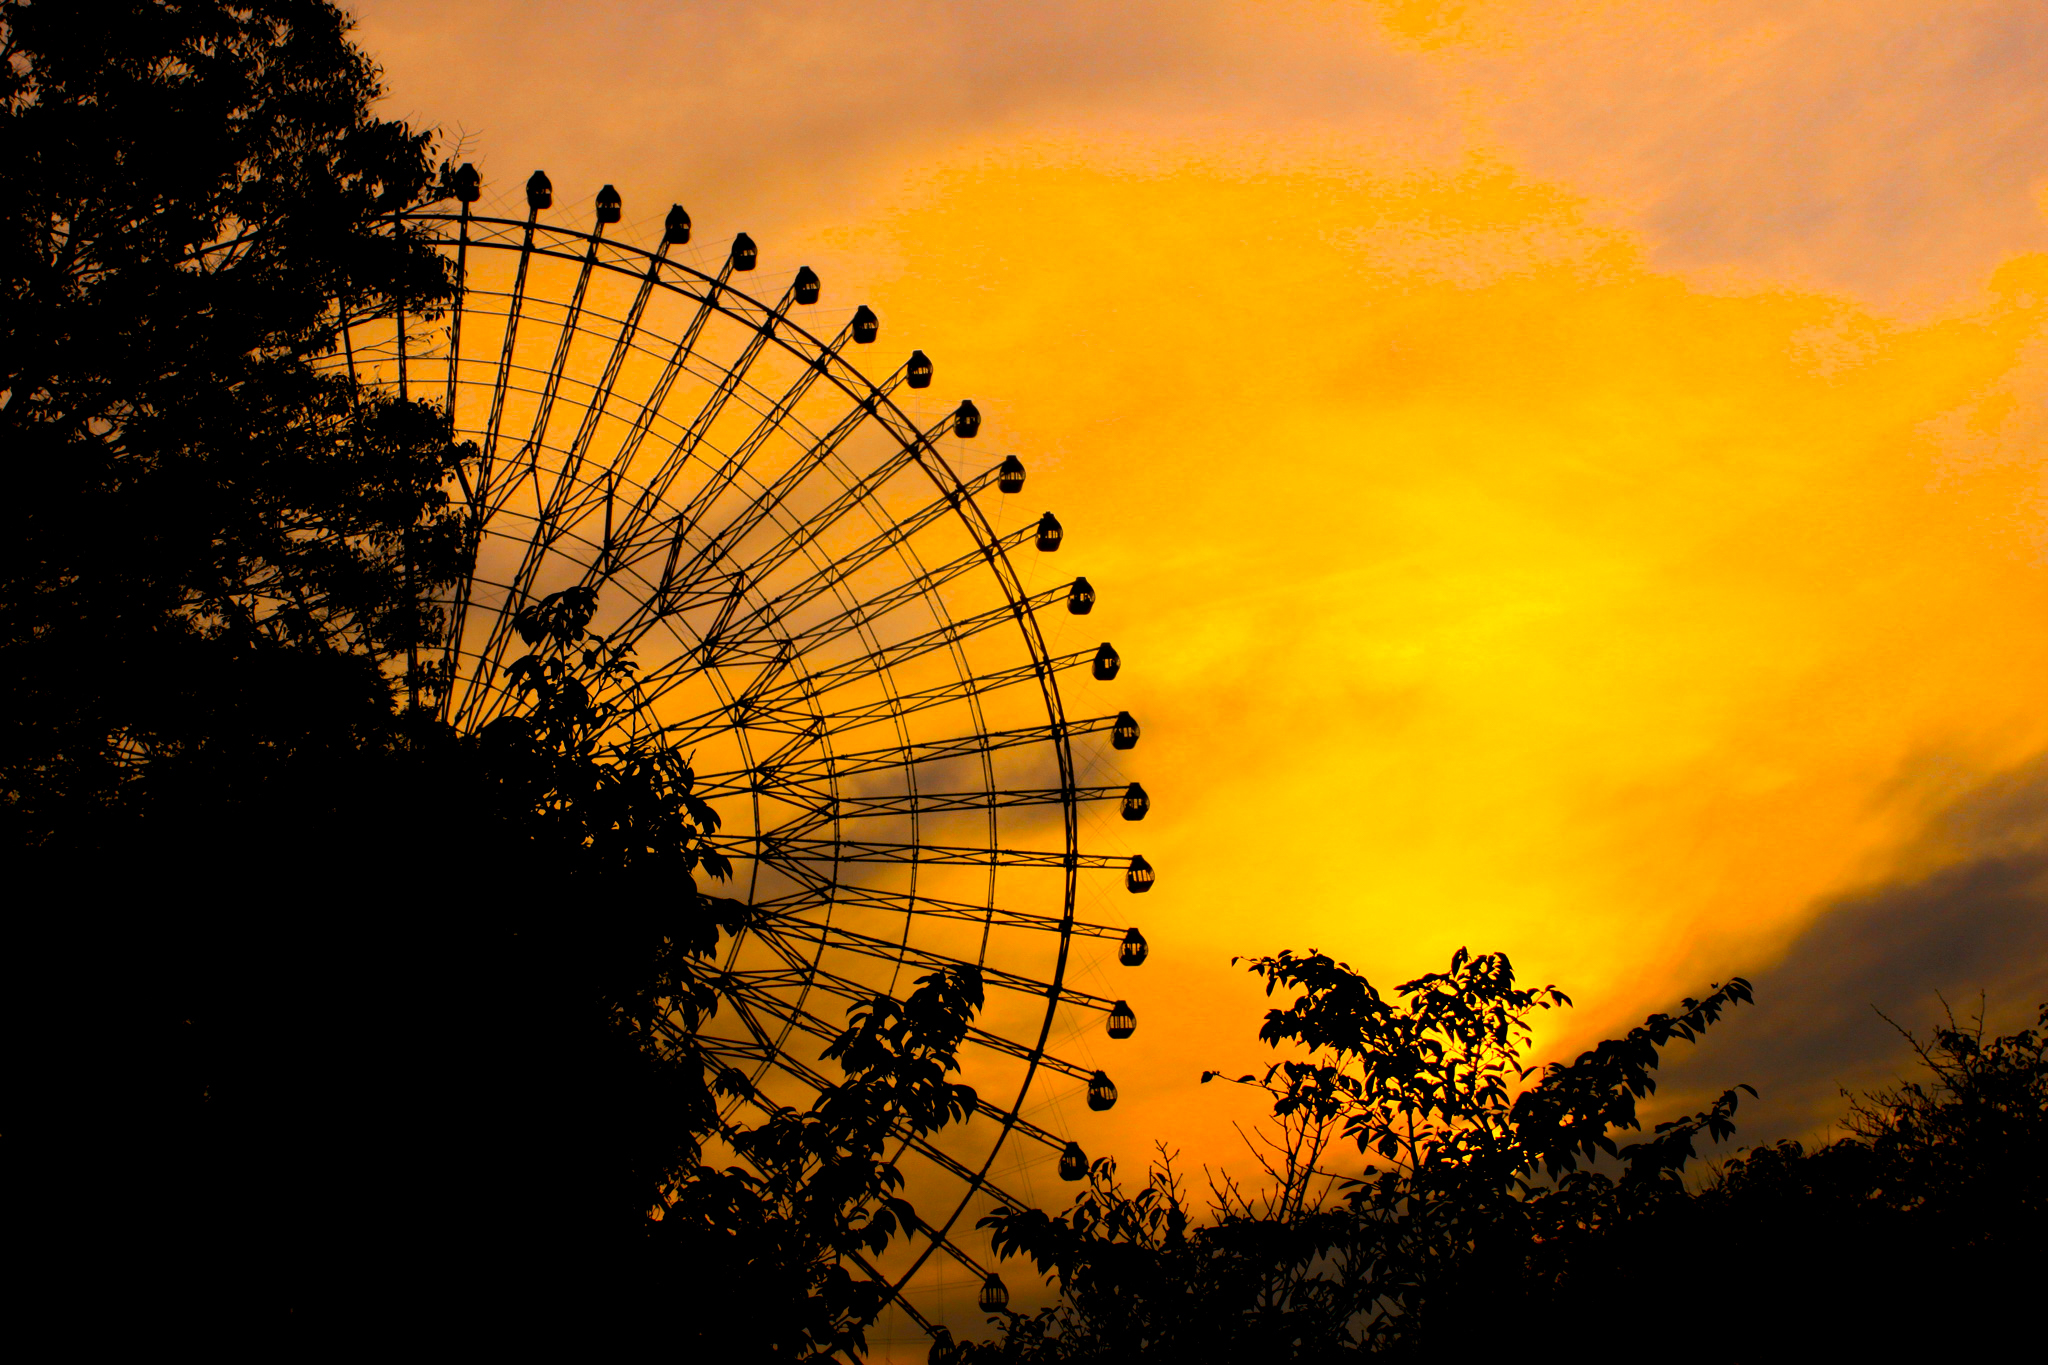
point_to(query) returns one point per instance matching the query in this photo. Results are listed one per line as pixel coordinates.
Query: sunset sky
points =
(1564, 478)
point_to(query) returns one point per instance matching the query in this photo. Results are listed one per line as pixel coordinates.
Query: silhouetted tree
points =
(213, 550)
(1438, 1247)
(212, 536)
(346, 1012)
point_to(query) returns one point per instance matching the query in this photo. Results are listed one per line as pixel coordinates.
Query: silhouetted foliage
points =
(769, 1247)
(1920, 1231)
(1500, 1213)
(1475, 1168)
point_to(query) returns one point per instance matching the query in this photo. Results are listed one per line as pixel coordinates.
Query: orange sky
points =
(1563, 477)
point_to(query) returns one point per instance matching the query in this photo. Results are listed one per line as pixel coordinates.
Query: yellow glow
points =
(1478, 583)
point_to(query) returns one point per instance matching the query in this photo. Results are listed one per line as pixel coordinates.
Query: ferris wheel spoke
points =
(794, 1019)
(993, 681)
(1017, 1123)
(887, 950)
(548, 515)
(813, 459)
(1007, 1047)
(832, 767)
(822, 808)
(875, 608)
(771, 687)
(809, 899)
(761, 983)
(573, 493)
(628, 337)
(759, 1046)
(896, 1300)
(552, 387)
(762, 997)
(807, 727)
(771, 690)
(795, 541)
(892, 536)
(729, 1050)
(494, 424)
(842, 567)
(775, 418)
(656, 401)
(855, 993)
(730, 377)
(952, 1249)
(729, 381)
(680, 571)
(629, 330)
(791, 852)
(905, 433)
(764, 1015)
(455, 309)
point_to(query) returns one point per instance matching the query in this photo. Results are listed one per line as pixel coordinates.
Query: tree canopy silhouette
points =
(217, 551)
(297, 948)
(215, 540)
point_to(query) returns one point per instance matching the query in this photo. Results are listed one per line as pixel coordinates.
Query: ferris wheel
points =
(837, 631)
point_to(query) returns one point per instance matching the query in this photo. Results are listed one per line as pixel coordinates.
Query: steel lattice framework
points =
(828, 622)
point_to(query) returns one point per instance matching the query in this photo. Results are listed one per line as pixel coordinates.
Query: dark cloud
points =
(1980, 924)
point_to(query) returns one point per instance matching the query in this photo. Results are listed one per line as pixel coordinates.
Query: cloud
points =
(1891, 149)
(1979, 923)
(790, 112)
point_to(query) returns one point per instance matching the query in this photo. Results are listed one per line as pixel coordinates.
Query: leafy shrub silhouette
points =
(1474, 1167)
(767, 1249)
(1500, 1208)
